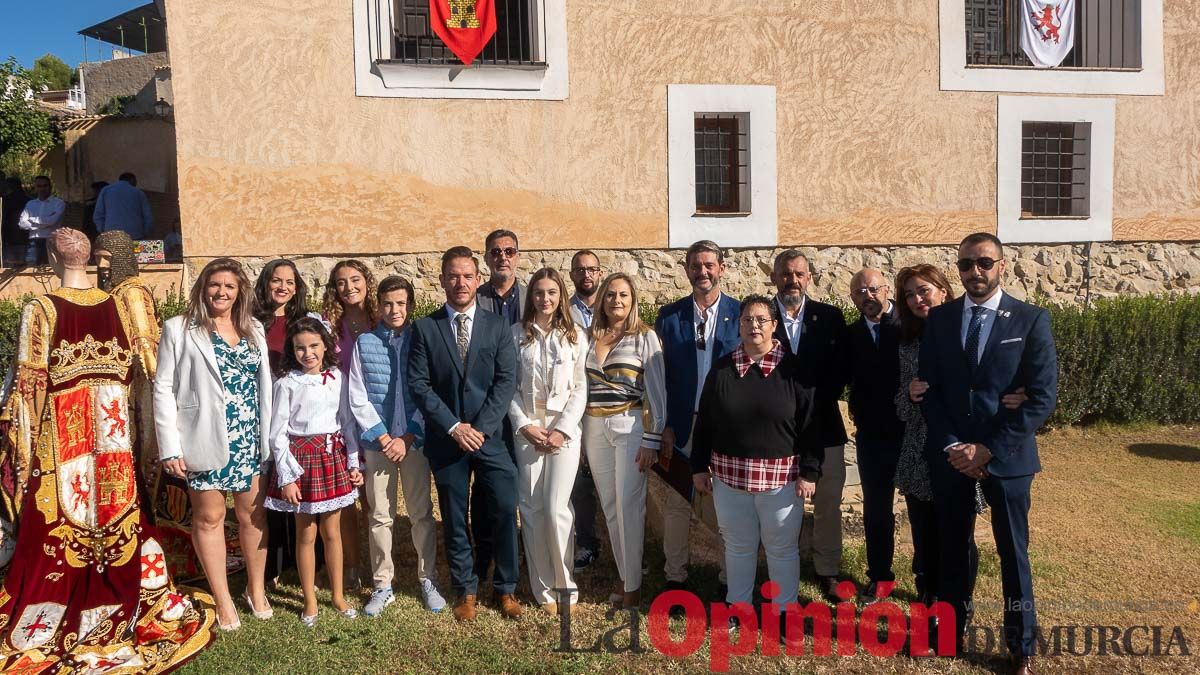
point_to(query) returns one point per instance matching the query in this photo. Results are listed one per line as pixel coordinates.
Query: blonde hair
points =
(562, 321)
(242, 313)
(633, 322)
(331, 303)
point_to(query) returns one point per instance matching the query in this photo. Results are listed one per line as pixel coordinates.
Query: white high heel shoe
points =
(263, 615)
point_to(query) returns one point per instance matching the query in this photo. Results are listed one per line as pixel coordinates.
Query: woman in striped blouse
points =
(623, 426)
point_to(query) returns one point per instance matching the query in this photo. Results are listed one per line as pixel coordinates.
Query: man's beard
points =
(990, 285)
(585, 292)
(791, 301)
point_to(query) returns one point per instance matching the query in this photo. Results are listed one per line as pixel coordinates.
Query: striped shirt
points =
(632, 375)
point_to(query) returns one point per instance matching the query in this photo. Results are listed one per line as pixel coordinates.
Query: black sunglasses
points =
(701, 343)
(506, 252)
(985, 264)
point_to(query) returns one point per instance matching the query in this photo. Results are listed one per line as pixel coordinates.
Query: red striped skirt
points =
(325, 474)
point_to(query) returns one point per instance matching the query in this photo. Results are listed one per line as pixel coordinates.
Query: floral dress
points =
(239, 373)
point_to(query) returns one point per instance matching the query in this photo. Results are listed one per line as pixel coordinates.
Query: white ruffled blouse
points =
(307, 405)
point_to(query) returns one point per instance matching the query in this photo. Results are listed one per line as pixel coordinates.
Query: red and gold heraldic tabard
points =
(87, 589)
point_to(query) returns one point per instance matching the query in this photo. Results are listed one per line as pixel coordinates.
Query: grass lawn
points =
(1115, 542)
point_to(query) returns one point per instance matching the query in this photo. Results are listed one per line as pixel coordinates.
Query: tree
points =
(53, 72)
(23, 127)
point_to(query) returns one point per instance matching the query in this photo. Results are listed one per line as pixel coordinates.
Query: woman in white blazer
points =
(546, 413)
(212, 403)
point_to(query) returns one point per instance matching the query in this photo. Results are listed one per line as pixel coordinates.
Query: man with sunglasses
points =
(974, 350)
(872, 367)
(694, 331)
(502, 294)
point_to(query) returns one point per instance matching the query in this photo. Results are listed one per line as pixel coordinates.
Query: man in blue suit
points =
(463, 372)
(974, 350)
(694, 331)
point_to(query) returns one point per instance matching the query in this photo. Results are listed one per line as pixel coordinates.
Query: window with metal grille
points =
(515, 43)
(1108, 34)
(722, 163)
(1055, 167)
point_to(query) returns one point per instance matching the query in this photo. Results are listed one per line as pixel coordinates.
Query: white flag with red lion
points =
(1047, 30)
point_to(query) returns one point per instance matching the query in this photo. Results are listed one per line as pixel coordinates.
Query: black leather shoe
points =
(828, 586)
(676, 610)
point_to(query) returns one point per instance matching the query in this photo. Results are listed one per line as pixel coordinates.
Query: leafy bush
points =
(1126, 359)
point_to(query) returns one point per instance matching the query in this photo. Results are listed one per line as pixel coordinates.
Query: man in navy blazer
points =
(815, 331)
(463, 372)
(974, 350)
(694, 331)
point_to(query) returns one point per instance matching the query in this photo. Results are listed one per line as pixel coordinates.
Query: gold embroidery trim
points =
(81, 296)
(70, 360)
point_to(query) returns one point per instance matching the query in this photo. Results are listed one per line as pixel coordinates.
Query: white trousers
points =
(612, 445)
(774, 518)
(380, 480)
(827, 513)
(547, 517)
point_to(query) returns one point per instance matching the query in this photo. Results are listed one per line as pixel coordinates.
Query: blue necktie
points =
(875, 334)
(973, 330)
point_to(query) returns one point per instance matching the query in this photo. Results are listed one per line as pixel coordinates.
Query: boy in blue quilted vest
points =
(391, 436)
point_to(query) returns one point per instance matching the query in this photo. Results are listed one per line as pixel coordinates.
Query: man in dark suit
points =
(872, 363)
(695, 331)
(462, 368)
(504, 295)
(975, 350)
(814, 331)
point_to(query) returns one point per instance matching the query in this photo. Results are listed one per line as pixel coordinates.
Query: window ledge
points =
(1024, 217)
(400, 75)
(721, 214)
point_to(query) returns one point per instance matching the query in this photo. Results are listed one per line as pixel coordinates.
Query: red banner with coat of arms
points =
(465, 26)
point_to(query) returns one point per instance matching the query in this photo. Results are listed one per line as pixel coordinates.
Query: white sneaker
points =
(380, 598)
(434, 601)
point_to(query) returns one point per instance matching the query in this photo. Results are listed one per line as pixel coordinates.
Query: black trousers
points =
(1009, 500)
(583, 500)
(877, 460)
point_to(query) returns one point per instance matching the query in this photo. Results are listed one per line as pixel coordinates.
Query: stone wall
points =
(133, 76)
(1059, 272)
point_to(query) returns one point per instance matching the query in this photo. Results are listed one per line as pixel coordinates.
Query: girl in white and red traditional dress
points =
(315, 471)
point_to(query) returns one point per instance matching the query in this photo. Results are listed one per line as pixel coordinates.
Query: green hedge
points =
(1125, 359)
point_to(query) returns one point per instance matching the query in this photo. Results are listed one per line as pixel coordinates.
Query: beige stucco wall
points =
(277, 154)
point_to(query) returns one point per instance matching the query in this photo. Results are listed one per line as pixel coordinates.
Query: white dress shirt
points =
(793, 327)
(41, 217)
(704, 357)
(992, 305)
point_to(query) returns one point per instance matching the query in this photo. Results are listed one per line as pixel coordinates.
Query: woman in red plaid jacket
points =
(757, 449)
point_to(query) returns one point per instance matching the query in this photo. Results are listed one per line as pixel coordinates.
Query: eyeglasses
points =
(585, 270)
(870, 290)
(701, 329)
(508, 252)
(985, 264)
(758, 321)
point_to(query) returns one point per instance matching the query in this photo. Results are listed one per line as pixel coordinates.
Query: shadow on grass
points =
(1167, 451)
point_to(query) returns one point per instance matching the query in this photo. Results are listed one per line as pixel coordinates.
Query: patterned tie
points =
(464, 340)
(972, 345)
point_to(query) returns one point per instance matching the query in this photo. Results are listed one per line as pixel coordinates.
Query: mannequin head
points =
(68, 249)
(115, 260)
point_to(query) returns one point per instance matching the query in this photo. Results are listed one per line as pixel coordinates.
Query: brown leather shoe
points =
(1022, 665)
(464, 608)
(508, 605)
(632, 599)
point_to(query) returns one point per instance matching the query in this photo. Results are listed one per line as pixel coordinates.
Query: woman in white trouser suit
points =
(626, 414)
(546, 412)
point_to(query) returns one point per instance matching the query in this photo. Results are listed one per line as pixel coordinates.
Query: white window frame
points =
(1012, 111)
(759, 226)
(957, 76)
(373, 26)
